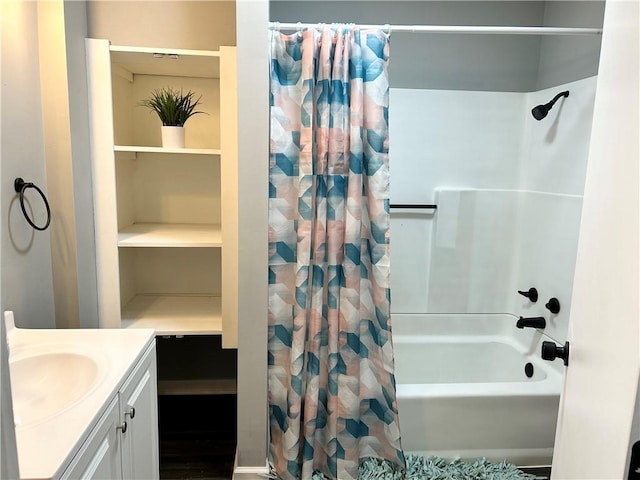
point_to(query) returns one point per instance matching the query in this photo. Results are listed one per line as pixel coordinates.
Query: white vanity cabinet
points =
(138, 401)
(101, 455)
(124, 443)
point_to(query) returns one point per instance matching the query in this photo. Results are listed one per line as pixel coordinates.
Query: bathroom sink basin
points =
(45, 384)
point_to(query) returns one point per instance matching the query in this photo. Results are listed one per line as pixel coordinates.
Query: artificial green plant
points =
(172, 106)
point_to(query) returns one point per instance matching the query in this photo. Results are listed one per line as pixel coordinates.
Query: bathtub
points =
(463, 391)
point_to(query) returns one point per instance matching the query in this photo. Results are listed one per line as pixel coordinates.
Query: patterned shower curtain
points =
(332, 399)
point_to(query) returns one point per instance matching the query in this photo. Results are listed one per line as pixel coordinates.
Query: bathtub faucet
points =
(533, 322)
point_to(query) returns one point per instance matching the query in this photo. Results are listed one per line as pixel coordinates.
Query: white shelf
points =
(171, 62)
(174, 315)
(170, 235)
(181, 151)
(219, 386)
(169, 51)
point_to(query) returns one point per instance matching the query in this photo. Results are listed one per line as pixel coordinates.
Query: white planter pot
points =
(172, 137)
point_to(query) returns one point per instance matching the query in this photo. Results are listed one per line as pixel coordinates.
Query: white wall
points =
(58, 159)
(198, 25)
(253, 179)
(8, 450)
(47, 139)
(75, 26)
(564, 58)
(27, 286)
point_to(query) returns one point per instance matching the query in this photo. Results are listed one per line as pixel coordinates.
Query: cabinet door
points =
(99, 457)
(139, 409)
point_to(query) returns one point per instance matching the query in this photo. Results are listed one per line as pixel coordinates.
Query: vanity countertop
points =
(54, 415)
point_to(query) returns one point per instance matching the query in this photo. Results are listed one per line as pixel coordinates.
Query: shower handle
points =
(551, 351)
(531, 294)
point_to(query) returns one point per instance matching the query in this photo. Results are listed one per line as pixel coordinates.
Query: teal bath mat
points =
(435, 468)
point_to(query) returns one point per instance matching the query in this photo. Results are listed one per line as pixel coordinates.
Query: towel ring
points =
(20, 186)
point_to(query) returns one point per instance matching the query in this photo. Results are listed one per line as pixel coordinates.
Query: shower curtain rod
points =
(491, 30)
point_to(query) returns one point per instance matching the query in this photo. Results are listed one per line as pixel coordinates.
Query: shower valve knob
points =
(551, 351)
(553, 305)
(531, 294)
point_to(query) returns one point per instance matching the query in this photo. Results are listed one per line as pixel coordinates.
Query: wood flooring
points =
(197, 436)
(541, 473)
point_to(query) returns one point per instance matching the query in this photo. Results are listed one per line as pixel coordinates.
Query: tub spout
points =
(533, 322)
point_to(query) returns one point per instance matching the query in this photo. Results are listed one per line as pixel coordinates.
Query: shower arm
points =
(557, 97)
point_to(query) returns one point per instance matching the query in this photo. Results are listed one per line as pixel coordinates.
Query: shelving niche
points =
(164, 222)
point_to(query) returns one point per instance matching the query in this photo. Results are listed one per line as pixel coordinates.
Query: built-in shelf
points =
(174, 315)
(183, 151)
(218, 386)
(167, 275)
(170, 235)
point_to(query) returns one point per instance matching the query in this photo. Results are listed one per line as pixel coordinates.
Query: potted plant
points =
(174, 108)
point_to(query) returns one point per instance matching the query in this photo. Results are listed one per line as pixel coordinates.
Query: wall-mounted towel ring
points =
(20, 185)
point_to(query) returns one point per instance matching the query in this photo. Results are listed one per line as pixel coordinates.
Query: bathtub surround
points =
(331, 381)
(535, 245)
(490, 167)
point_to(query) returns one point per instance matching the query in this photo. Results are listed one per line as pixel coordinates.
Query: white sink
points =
(45, 384)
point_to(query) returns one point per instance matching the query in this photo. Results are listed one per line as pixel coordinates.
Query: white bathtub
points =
(463, 392)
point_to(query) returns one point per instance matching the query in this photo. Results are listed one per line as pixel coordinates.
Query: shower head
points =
(541, 111)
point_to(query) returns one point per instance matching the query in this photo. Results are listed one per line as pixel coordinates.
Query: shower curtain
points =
(332, 399)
